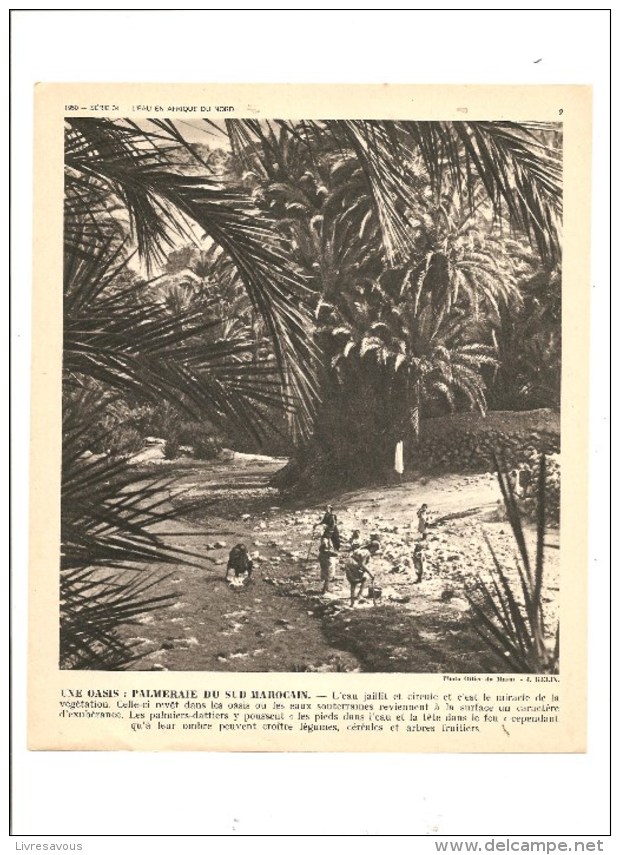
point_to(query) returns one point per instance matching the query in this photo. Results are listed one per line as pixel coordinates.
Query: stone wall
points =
(466, 442)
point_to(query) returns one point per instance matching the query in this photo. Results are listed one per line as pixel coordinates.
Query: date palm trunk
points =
(415, 411)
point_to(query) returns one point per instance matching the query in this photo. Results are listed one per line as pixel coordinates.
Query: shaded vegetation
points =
(320, 286)
(510, 617)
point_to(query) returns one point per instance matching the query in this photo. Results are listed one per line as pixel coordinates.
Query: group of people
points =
(356, 565)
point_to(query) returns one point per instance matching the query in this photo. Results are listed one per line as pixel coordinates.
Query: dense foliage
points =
(328, 283)
(428, 297)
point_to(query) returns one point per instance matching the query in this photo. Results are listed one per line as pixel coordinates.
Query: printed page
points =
(302, 360)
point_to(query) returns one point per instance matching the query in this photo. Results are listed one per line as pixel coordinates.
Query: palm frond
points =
(111, 534)
(135, 166)
(94, 608)
(516, 169)
(514, 628)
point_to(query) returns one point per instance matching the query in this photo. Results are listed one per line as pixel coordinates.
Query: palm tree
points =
(518, 168)
(425, 355)
(530, 344)
(441, 212)
(129, 194)
(123, 197)
(116, 164)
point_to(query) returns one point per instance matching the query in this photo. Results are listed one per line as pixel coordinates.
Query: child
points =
(328, 559)
(355, 541)
(423, 520)
(334, 534)
(356, 568)
(418, 562)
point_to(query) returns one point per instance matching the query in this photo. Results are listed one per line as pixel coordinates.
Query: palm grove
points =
(318, 288)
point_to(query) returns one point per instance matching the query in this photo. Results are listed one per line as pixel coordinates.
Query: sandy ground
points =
(282, 623)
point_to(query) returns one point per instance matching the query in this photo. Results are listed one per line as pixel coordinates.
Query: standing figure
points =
(418, 561)
(524, 481)
(399, 465)
(423, 520)
(356, 568)
(334, 533)
(328, 559)
(329, 519)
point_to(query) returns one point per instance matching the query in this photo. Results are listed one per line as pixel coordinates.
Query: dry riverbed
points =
(282, 623)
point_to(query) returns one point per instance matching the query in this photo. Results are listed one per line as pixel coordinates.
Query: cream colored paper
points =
(48, 685)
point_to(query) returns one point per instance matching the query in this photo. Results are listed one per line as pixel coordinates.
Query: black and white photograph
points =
(310, 428)
(311, 395)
